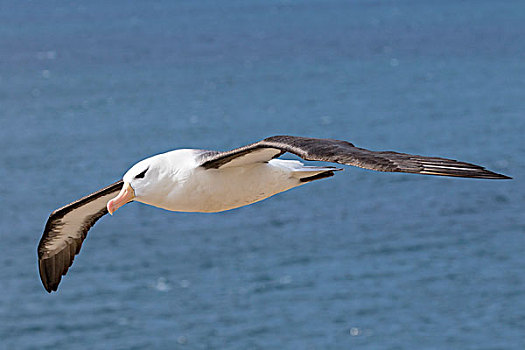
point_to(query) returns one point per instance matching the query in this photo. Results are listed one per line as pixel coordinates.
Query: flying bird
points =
(192, 180)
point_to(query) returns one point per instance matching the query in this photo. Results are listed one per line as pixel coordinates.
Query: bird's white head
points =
(150, 180)
(139, 182)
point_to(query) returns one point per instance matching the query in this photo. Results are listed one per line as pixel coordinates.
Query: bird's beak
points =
(126, 195)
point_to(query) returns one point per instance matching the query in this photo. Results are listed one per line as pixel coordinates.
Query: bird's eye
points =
(142, 174)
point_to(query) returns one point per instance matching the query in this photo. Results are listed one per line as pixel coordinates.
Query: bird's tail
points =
(311, 173)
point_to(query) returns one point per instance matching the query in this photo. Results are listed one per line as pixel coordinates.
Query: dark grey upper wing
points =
(344, 152)
(65, 231)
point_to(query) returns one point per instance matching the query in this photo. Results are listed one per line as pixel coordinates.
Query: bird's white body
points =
(181, 185)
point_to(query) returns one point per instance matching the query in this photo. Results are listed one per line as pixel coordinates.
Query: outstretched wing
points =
(344, 152)
(65, 231)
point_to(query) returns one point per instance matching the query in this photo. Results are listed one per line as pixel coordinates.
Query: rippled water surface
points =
(362, 260)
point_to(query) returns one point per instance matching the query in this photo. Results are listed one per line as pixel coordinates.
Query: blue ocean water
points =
(362, 260)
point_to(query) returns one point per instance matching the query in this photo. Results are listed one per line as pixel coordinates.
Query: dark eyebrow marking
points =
(141, 175)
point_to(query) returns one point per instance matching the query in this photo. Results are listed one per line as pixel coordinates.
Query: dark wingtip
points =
(43, 278)
(496, 176)
(49, 281)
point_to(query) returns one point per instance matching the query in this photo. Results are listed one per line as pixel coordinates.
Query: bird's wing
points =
(65, 231)
(344, 152)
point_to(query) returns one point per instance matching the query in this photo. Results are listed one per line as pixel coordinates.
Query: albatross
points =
(193, 180)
